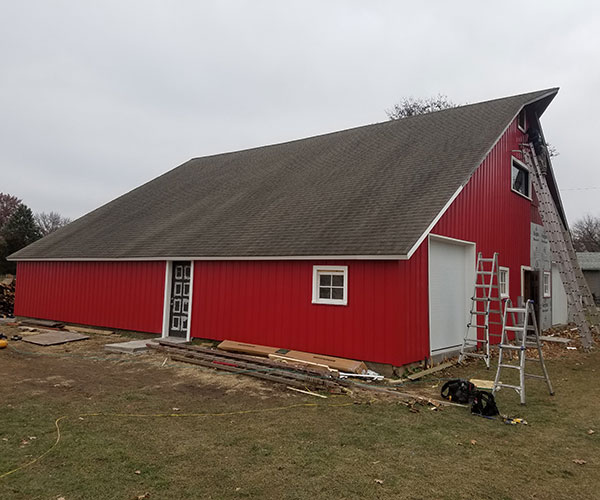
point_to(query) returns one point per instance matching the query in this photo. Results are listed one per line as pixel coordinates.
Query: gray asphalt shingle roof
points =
(371, 190)
(589, 261)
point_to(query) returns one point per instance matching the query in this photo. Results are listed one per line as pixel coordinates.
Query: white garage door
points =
(451, 280)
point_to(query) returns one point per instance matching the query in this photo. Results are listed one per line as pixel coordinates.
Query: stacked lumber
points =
(295, 375)
(7, 298)
(295, 357)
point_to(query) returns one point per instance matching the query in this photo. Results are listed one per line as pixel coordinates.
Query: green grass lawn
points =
(258, 441)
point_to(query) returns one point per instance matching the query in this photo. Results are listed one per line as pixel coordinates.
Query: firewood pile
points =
(7, 297)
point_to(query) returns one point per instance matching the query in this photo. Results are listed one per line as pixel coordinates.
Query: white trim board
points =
(211, 258)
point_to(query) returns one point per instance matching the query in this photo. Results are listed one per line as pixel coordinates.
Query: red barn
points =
(359, 243)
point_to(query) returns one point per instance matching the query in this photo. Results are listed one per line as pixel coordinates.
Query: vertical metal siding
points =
(270, 302)
(125, 295)
(490, 214)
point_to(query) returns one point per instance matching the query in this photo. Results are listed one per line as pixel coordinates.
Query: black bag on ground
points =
(484, 404)
(459, 391)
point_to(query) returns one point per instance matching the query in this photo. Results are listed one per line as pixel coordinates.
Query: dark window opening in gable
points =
(520, 178)
(522, 121)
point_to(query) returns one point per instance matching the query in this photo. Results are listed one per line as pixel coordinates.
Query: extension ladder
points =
(485, 302)
(563, 253)
(526, 334)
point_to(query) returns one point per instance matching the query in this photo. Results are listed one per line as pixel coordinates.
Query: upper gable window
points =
(520, 182)
(330, 285)
(522, 121)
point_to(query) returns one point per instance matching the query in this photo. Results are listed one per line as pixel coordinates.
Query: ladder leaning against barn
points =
(485, 302)
(563, 253)
(526, 334)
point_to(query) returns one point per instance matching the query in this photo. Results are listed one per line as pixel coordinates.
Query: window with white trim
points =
(546, 284)
(330, 285)
(520, 182)
(504, 273)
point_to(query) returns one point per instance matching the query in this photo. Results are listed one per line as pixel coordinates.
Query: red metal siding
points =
(124, 295)
(489, 213)
(270, 302)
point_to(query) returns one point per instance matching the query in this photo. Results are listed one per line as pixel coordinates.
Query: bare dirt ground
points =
(234, 436)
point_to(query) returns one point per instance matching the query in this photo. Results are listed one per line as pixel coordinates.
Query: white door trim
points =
(523, 269)
(469, 279)
(167, 300)
(189, 323)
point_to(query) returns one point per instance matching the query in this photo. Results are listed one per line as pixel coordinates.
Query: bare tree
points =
(586, 234)
(410, 106)
(8, 205)
(50, 222)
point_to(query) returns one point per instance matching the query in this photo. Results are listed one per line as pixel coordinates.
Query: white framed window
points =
(520, 181)
(504, 273)
(330, 285)
(546, 284)
(522, 121)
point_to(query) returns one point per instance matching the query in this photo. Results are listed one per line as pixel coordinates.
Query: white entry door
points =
(451, 280)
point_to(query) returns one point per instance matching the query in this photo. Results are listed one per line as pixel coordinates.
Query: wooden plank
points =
(217, 359)
(560, 340)
(242, 371)
(81, 329)
(340, 364)
(245, 357)
(418, 375)
(246, 348)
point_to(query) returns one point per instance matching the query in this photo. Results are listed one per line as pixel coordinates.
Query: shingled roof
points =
(367, 191)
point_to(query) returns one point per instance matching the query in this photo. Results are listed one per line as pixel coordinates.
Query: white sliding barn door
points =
(451, 280)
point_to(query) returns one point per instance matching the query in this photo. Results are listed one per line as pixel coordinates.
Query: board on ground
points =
(54, 338)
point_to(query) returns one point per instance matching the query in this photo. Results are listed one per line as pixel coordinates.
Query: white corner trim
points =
(434, 222)
(167, 300)
(315, 284)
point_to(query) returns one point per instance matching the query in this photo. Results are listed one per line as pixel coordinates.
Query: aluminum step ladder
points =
(561, 245)
(486, 310)
(526, 334)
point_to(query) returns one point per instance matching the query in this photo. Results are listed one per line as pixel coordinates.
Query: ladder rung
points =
(485, 286)
(511, 347)
(471, 325)
(485, 272)
(479, 312)
(510, 366)
(495, 334)
(530, 375)
(475, 354)
(486, 260)
(516, 310)
(495, 323)
(495, 311)
(515, 387)
(514, 328)
(483, 299)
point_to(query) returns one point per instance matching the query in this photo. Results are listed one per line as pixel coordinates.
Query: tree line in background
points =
(586, 234)
(19, 227)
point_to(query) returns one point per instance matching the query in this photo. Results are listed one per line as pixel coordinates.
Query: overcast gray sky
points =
(99, 97)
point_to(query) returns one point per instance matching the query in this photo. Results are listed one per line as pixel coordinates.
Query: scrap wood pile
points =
(292, 374)
(295, 369)
(7, 297)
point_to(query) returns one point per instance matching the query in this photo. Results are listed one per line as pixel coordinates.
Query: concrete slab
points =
(131, 347)
(54, 338)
